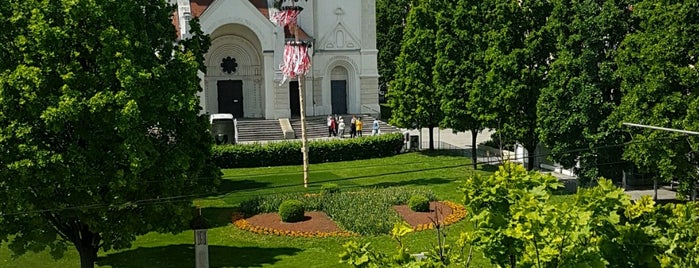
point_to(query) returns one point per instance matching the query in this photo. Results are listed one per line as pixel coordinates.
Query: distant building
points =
(243, 75)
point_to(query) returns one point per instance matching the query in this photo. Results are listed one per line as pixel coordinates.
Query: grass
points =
(231, 247)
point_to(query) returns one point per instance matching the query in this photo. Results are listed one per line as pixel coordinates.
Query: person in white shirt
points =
(341, 128)
(375, 128)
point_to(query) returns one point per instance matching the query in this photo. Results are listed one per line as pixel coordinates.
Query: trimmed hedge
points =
(291, 211)
(329, 188)
(289, 152)
(419, 203)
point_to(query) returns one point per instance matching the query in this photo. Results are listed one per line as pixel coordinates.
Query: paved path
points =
(446, 138)
(663, 194)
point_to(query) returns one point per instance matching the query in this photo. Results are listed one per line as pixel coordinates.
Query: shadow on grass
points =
(443, 152)
(228, 186)
(348, 180)
(489, 168)
(218, 216)
(182, 255)
(420, 182)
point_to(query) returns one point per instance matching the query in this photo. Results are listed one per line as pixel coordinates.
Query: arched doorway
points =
(338, 90)
(234, 77)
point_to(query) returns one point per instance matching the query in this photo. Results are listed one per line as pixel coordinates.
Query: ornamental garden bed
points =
(364, 212)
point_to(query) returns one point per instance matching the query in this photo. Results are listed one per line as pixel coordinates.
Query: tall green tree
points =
(459, 68)
(658, 65)
(101, 134)
(413, 98)
(583, 89)
(517, 62)
(390, 21)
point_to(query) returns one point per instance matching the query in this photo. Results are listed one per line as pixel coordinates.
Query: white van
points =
(222, 128)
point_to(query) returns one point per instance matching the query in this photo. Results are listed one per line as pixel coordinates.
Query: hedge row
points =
(289, 152)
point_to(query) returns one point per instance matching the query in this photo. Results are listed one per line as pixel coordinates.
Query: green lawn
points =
(231, 247)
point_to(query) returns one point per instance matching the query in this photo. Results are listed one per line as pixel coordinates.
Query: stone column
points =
(201, 248)
(201, 244)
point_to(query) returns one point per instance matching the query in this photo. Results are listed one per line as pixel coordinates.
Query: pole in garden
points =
(296, 64)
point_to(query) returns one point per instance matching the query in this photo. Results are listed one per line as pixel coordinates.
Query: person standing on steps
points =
(353, 127)
(359, 127)
(375, 127)
(341, 127)
(330, 125)
(336, 121)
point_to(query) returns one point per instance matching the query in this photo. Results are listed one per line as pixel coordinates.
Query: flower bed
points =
(240, 222)
(458, 212)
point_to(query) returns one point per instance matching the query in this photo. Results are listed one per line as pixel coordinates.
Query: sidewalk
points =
(445, 138)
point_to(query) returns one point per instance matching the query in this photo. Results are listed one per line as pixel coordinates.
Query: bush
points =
(289, 152)
(329, 188)
(419, 203)
(291, 211)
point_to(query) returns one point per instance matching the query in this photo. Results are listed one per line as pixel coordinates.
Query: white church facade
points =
(243, 74)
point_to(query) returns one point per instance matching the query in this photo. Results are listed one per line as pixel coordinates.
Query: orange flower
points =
(247, 226)
(458, 212)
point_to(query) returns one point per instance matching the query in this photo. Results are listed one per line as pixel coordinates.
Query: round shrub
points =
(419, 203)
(291, 211)
(329, 188)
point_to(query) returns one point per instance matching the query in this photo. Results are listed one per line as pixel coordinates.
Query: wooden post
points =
(302, 110)
(304, 139)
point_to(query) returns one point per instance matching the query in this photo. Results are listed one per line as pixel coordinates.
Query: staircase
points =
(367, 122)
(317, 127)
(252, 130)
(259, 130)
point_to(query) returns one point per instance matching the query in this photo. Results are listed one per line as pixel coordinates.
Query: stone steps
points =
(259, 130)
(251, 130)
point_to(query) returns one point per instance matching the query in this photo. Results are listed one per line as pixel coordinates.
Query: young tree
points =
(583, 89)
(100, 128)
(660, 83)
(459, 68)
(517, 62)
(413, 98)
(517, 224)
(390, 21)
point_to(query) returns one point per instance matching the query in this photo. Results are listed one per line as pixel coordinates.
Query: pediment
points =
(220, 14)
(243, 12)
(339, 38)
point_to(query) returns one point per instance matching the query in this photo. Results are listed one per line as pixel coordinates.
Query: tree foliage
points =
(516, 65)
(661, 86)
(390, 21)
(413, 98)
(459, 68)
(100, 125)
(516, 224)
(583, 89)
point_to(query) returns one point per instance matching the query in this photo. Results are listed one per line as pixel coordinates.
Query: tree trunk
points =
(431, 138)
(531, 156)
(87, 245)
(88, 256)
(474, 152)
